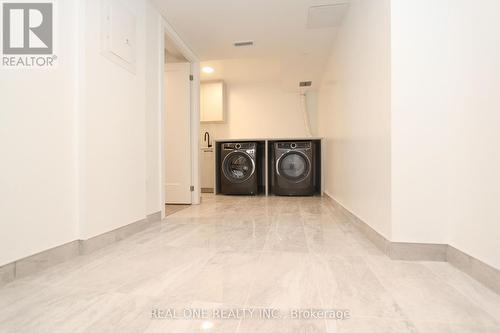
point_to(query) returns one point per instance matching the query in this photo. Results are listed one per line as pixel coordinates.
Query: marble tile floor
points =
(172, 209)
(248, 253)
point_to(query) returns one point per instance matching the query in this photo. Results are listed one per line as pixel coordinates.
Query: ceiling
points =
(245, 70)
(280, 30)
(261, 69)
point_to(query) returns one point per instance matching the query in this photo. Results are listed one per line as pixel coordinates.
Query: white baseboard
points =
(484, 273)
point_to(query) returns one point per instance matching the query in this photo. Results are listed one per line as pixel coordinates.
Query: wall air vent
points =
(305, 84)
(243, 43)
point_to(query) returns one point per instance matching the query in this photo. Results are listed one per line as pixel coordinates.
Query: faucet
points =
(207, 136)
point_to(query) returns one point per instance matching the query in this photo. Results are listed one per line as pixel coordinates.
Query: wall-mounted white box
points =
(119, 34)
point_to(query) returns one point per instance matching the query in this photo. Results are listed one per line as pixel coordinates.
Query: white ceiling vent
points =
(243, 43)
(326, 16)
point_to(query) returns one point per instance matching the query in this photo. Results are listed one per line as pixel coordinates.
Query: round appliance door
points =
(238, 167)
(294, 166)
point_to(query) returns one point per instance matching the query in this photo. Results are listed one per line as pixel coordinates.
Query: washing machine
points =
(238, 168)
(294, 168)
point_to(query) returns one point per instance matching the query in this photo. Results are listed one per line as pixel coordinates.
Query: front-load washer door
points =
(294, 166)
(238, 167)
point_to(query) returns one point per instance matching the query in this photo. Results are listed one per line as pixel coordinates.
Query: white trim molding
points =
(59, 254)
(185, 50)
(482, 272)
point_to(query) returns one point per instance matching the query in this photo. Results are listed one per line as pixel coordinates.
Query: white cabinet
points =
(212, 99)
(207, 169)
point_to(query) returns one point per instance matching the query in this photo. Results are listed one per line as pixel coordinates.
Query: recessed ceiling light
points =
(208, 70)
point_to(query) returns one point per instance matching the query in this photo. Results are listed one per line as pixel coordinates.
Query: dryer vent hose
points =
(303, 109)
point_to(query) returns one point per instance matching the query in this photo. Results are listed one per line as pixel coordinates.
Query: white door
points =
(178, 133)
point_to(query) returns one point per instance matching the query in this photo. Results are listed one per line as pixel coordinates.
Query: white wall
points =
(116, 110)
(446, 159)
(354, 114)
(79, 142)
(424, 168)
(258, 103)
(475, 226)
(37, 148)
(420, 130)
(261, 110)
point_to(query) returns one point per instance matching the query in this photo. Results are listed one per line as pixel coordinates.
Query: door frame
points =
(167, 29)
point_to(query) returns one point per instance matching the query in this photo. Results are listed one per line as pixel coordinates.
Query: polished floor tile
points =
(283, 280)
(172, 209)
(283, 326)
(272, 255)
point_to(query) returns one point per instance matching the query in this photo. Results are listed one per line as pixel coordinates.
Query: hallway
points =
(242, 253)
